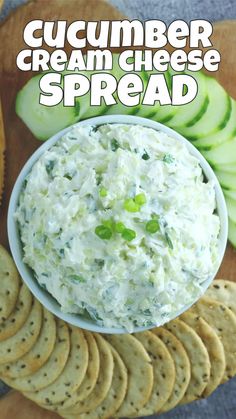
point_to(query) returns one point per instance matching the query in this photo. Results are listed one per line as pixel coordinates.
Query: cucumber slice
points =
(230, 193)
(223, 154)
(221, 136)
(232, 232)
(216, 116)
(189, 114)
(227, 180)
(231, 207)
(119, 108)
(165, 113)
(43, 121)
(152, 111)
(86, 110)
(228, 168)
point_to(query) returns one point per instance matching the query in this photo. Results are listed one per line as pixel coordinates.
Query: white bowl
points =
(15, 242)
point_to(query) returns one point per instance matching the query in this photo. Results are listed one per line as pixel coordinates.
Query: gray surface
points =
(222, 404)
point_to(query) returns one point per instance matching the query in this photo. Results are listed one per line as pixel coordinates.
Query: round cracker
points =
(198, 357)
(182, 367)
(214, 348)
(223, 321)
(103, 383)
(10, 283)
(140, 373)
(163, 372)
(38, 354)
(115, 395)
(53, 367)
(19, 315)
(224, 292)
(18, 345)
(72, 375)
(90, 378)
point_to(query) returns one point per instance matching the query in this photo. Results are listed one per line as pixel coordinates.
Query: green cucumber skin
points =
(227, 180)
(223, 154)
(229, 168)
(212, 120)
(222, 136)
(165, 118)
(200, 113)
(221, 125)
(120, 109)
(230, 193)
(189, 114)
(149, 111)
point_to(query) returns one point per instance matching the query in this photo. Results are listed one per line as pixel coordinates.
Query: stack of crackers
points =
(86, 375)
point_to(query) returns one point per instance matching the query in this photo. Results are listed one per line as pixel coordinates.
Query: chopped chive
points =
(68, 176)
(49, 167)
(98, 178)
(152, 226)
(24, 183)
(77, 278)
(62, 252)
(128, 234)
(140, 199)
(131, 206)
(147, 312)
(103, 232)
(145, 156)
(103, 192)
(100, 262)
(114, 144)
(119, 227)
(168, 240)
(168, 158)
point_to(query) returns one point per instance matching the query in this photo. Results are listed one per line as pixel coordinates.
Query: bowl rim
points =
(45, 298)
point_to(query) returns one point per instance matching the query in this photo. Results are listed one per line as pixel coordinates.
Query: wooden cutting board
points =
(21, 144)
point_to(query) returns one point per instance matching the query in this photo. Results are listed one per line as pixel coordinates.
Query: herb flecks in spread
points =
(118, 222)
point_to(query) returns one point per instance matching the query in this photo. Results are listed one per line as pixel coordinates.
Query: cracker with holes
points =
(182, 367)
(50, 371)
(224, 292)
(115, 395)
(140, 373)
(38, 354)
(163, 372)
(198, 357)
(223, 321)
(9, 284)
(72, 375)
(214, 348)
(19, 315)
(90, 378)
(103, 383)
(18, 345)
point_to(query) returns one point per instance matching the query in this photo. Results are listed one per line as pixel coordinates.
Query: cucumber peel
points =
(189, 114)
(222, 135)
(215, 117)
(227, 180)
